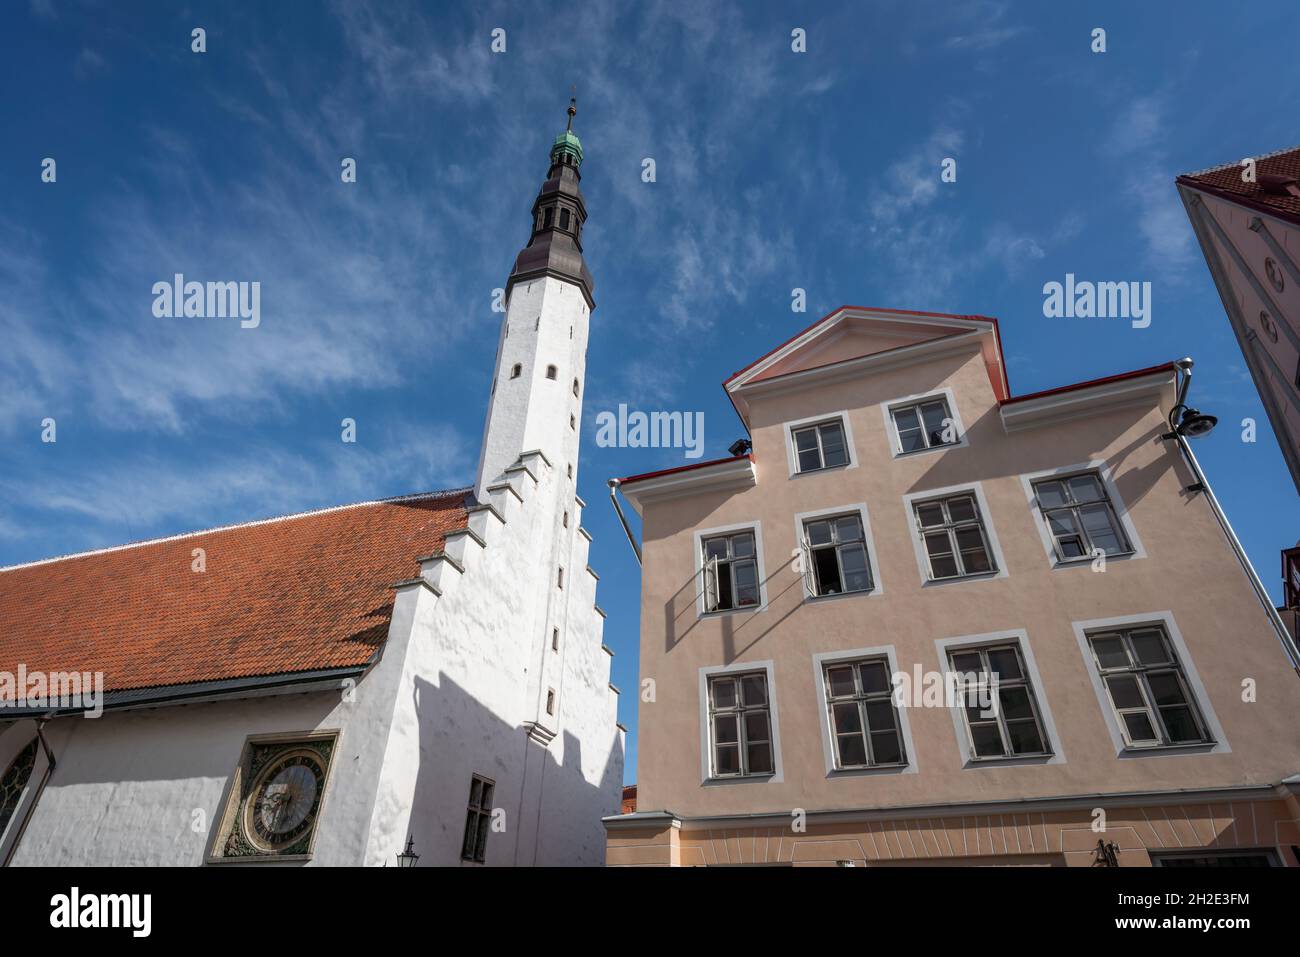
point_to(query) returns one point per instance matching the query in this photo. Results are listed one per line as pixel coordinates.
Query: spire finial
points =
(573, 106)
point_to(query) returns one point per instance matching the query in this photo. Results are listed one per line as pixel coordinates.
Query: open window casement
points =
(711, 584)
(806, 567)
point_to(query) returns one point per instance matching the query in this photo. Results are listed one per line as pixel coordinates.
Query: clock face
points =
(284, 800)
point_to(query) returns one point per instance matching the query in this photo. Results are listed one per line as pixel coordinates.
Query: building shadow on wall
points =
(1033, 455)
(552, 813)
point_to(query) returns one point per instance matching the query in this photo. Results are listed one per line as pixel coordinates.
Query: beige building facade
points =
(926, 622)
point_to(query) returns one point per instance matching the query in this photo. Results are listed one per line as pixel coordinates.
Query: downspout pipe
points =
(1203, 486)
(50, 764)
(627, 529)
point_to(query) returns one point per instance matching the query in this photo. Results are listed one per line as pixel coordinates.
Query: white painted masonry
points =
(459, 688)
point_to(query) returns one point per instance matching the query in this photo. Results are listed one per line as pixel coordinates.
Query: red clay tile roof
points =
(1276, 188)
(300, 593)
(629, 799)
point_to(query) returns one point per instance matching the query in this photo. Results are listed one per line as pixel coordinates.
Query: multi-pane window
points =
(1010, 725)
(835, 556)
(924, 425)
(1147, 687)
(740, 725)
(864, 723)
(478, 819)
(730, 572)
(955, 539)
(1080, 516)
(820, 446)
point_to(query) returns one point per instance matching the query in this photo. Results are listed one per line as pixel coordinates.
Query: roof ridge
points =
(1234, 163)
(417, 496)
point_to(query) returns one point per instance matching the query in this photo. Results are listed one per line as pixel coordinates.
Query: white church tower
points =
(536, 402)
(448, 702)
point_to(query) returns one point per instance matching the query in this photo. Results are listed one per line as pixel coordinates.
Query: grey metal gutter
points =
(320, 680)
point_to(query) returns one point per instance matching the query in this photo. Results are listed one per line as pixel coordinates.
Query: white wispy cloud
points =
(109, 504)
(925, 246)
(1136, 140)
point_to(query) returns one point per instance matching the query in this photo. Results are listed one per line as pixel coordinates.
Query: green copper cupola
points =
(567, 148)
(559, 213)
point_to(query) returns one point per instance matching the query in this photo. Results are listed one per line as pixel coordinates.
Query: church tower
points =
(536, 402)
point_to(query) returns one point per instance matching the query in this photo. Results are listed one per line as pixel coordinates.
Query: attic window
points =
(515, 370)
(551, 372)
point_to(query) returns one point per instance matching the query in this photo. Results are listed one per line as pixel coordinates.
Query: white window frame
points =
(698, 539)
(831, 658)
(1104, 471)
(792, 458)
(1218, 743)
(706, 736)
(860, 509)
(945, 646)
(918, 542)
(891, 428)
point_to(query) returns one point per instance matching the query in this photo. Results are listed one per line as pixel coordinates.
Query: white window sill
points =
(821, 471)
(959, 444)
(978, 576)
(724, 612)
(856, 593)
(1011, 760)
(739, 779)
(1084, 560)
(1166, 750)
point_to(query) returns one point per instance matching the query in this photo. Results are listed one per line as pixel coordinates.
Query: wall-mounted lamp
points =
(1183, 419)
(408, 857)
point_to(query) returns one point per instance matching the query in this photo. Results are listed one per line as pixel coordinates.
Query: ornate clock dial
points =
(283, 803)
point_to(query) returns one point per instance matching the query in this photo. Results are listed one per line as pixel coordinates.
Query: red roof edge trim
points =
(837, 311)
(682, 468)
(1135, 374)
(1250, 201)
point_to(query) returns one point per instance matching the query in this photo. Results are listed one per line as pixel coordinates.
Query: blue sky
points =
(775, 170)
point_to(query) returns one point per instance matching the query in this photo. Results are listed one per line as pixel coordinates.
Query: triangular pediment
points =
(850, 333)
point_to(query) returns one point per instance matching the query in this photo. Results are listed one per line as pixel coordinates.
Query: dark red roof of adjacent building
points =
(1089, 383)
(303, 593)
(629, 799)
(1276, 189)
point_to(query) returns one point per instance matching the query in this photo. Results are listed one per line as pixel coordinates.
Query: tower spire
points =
(555, 245)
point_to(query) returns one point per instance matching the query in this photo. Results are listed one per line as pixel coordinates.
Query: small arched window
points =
(573, 423)
(551, 372)
(566, 519)
(515, 370)
(550, 217)
(564, 219)
(575, 387)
